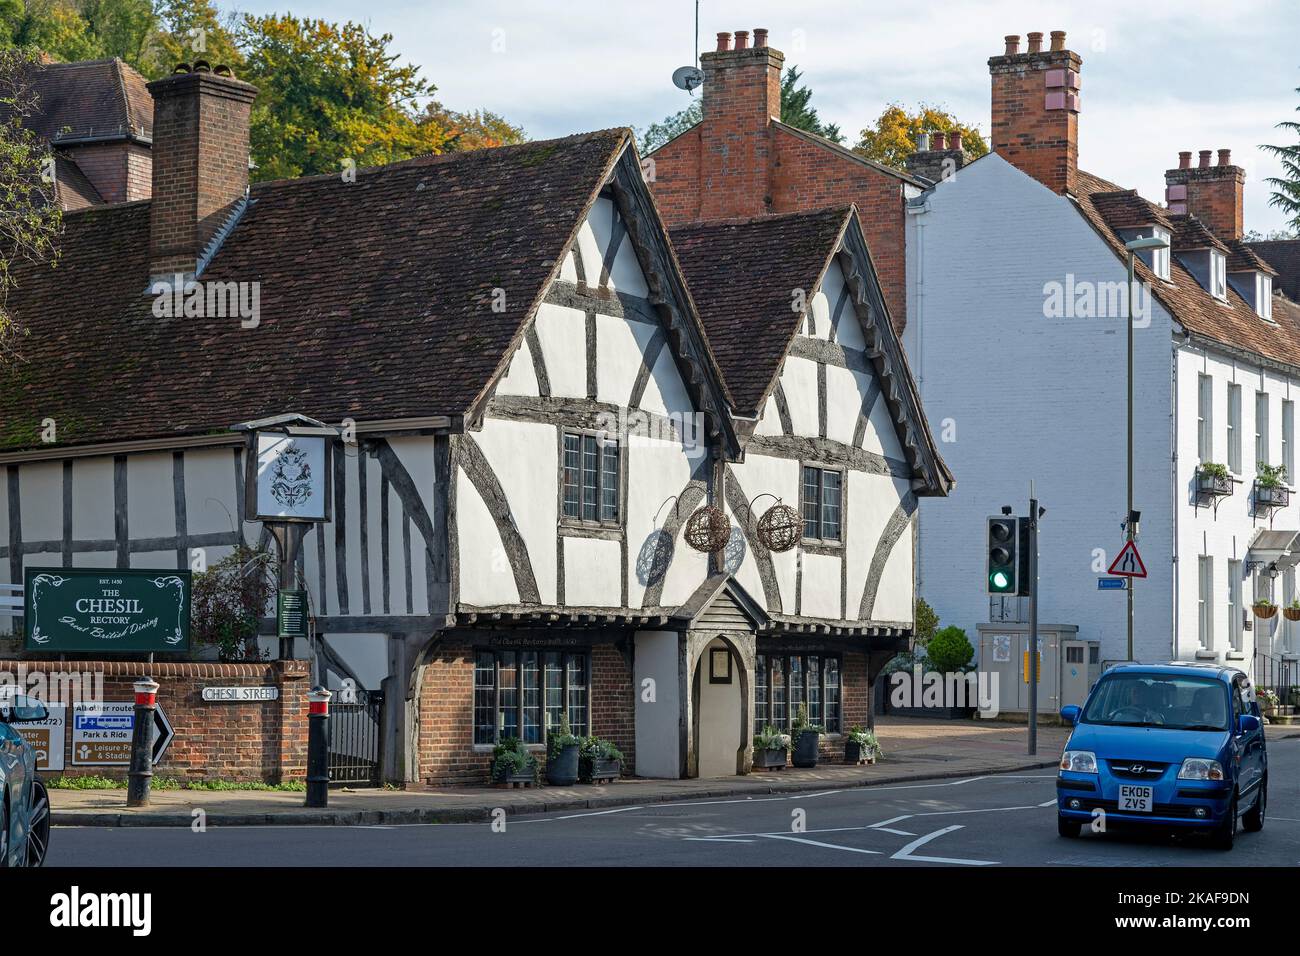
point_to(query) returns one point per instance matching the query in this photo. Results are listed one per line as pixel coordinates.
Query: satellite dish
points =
(687, 78)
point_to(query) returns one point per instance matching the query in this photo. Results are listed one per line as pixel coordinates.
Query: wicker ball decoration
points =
(780, 528)
(708, 530)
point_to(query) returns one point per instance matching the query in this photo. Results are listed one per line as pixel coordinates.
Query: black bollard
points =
(140, 776)
(318, 757)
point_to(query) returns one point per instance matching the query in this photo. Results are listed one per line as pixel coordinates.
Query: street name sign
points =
(101, 734)
(84, 610)
(240, 694)
(1112, 584)
(1128, 563)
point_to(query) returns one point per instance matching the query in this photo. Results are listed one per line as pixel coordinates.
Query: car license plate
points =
(1135, 799)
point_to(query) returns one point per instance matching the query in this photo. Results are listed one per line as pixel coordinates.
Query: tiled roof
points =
(90, 99)
(72, 189)
(1232, 323)
(1284, 256)
(376, 299)
(742, 275)
(1190, 233)
(1242, 258)
(1125, 209)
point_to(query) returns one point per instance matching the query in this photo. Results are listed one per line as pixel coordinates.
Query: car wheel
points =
(1253, 819)
(1068, 828)
(38, 836)
(1226, 831)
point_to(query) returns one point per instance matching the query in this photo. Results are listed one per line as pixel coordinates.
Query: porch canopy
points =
(1274, 548)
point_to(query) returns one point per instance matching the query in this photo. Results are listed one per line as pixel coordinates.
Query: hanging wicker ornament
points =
(780, 528)
(708, 530)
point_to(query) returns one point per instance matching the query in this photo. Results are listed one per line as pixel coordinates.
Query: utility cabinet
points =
(1067, 668)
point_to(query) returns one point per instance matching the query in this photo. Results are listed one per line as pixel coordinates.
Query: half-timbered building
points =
(531, 416)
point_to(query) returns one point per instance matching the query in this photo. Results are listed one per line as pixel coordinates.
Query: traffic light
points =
(1003, 539)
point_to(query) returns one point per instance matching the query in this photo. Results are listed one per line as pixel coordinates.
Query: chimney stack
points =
(200, 163)
(1213, 194)
(742, 94)
(1036, 110)
(938, 155)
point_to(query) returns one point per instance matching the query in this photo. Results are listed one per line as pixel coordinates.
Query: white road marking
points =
(1048, 803)
(906, 852)
(828, 846)
(883, 825)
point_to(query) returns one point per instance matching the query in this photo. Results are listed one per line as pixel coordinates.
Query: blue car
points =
(1172, 746)
(24, 801)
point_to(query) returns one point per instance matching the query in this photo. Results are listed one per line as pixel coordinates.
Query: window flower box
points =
(1271, 496)
(773, 759)
(1213, 481)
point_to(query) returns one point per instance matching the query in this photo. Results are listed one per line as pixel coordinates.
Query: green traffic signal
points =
(1001, 554)
(999, 582)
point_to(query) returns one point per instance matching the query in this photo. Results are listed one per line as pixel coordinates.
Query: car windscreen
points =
(1159, 700)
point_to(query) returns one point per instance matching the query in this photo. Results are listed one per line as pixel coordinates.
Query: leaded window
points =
(822, 494)
(524, 694)
(591, 479)
(783, 681)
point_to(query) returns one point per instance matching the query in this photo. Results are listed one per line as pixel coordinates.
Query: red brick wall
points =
(264, 741)
(1214, 195)
(447, 754)
(1039, 141)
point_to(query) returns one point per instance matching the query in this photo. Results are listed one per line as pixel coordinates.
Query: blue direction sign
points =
(1112, 584)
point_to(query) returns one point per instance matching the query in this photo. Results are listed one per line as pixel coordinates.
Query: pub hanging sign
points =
(109, 611)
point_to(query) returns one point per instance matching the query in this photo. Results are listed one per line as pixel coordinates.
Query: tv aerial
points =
(689, 78)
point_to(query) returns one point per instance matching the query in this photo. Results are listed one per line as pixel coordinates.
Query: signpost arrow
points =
(163, 734)
(1111, 584)
(1128, 563)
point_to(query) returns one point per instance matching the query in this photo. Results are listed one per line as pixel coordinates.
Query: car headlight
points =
(1195, 768)
(1079, 761)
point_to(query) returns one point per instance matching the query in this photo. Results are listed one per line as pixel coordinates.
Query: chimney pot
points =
(954, 139)
(1058, 41)
(724, 42)
(742, 39)
(1035, 42)
(760, 38)
(1205, 159)
(202, 66)
(1013, 44)
(922, 142)
(938, 140)
(1185, 159)
(1225, 157)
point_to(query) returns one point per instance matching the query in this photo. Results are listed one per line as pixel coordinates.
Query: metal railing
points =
(354, 729)
(1277, 674)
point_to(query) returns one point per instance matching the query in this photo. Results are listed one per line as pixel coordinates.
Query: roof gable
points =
(90, 100)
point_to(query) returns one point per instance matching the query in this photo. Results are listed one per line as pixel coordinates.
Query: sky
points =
(1157, 77)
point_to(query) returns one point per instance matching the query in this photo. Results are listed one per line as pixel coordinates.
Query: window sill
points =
(822, 546)
(1234, 656)
(605, 532)
(487, 748)
(1207, 655)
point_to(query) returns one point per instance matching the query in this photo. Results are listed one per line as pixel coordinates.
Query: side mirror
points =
(1248, 724)
(1070, 714)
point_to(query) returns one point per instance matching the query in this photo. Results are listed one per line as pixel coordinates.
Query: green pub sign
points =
(103, 610)
(291, 613)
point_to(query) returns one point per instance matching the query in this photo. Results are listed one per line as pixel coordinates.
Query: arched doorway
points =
(720, 694)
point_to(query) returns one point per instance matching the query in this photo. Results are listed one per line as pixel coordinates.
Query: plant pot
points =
(1213, 484)
(1294, 697)
(1291, 613)
(601, 770)
(769, 759)
(511, 778)
(856, 753)
(562, 768)
(1264, 611)
(805, 749)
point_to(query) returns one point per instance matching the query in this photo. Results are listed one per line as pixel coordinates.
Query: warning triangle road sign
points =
(1128, 563)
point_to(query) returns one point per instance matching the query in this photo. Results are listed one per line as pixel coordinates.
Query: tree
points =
(31, 220)
(893, 138)
(950, 650)
(331, 93)
(925, 623)
(190, 30)
(479, 129)
(795, 111)
(1286, 188)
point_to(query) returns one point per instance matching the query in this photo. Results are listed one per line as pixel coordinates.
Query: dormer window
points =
(1218, 275)
(1264, 296)
(1160, 257)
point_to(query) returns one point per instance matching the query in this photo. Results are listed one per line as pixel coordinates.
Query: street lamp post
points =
(1130, 525)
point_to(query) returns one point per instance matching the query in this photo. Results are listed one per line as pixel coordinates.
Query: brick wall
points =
(264, 740)
(1213, 194)
(447, 754)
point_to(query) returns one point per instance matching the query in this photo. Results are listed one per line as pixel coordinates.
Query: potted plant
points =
(1292, 611)
(600, 760)
(770, 749)
(1270, 486)
(562, 755)
(1264, 608)
(1268, 700)
(512, 764)
(1213, 478)
(861, 746)
(806, 736)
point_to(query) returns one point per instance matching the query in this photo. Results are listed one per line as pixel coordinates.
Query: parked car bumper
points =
(1191, 804)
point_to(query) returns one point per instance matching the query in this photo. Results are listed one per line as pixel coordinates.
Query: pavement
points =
(979, 821)
(915, 750)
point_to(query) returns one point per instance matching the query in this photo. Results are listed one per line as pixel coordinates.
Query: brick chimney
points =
(200, 163)
(1213, 194)
(742, 92)
(1036, 109)
(938, 156)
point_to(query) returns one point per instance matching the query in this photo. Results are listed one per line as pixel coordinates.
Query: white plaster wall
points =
(799, 382)
(976, 302)
(485, 575)
(150, 496)
(658, 728)
(656, 472)
(756, 475)
(520, 378)
(821, 585)
(720, 718)
(592, 569)
(563, 334)
(41, 500)
(210, 505)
